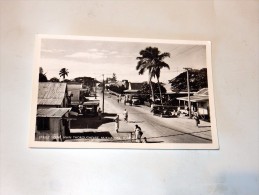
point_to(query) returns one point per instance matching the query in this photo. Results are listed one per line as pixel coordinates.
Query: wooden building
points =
(52, 120)
(52, 124)
(199, 102)
(52, 95)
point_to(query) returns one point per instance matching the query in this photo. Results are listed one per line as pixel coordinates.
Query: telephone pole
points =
(188, 88)
(103, 94)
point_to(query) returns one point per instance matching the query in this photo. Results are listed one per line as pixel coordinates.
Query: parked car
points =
(161, 111)
(135, 100)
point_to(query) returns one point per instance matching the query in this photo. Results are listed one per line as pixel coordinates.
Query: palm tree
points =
(151, 59)
(63, 73)
(157, 71)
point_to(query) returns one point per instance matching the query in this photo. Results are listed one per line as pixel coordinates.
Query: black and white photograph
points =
(103, 92)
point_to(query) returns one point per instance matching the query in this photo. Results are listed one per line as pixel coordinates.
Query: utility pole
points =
(103, 94)
(188, 87)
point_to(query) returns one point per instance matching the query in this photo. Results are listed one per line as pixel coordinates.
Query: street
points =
(156, 129)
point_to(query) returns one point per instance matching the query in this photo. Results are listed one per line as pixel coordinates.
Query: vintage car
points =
(135, 100)
(161, 111)
(90, 108)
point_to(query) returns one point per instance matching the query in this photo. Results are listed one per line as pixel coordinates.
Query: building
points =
(199, 102)
(52, 95)
(52, 119)
(74, 91)
(52, 124)
(133, 90)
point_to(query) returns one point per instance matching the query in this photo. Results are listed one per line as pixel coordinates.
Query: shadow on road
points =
(192, 134)
(153, 141)
(135, 121)
(92, 122)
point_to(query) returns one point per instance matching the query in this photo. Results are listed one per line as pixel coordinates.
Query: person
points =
(138, 133)
(117, 123)
(196, 118)
(80, 109)
(125, 115)
(174, 113)
(152, 107)
(99, 113)
(178, 111)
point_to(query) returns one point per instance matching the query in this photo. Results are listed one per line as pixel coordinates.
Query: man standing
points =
(196, 118)
(99, 113)
(138, 133)
(117, 123)
(125, 113)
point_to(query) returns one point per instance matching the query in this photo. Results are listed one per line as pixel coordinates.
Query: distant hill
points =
(198, 80)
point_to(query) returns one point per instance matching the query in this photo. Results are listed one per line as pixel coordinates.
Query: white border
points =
(41, 144)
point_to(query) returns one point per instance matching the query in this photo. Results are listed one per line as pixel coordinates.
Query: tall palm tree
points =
(157, 70)
(63, 73)
(151, 59)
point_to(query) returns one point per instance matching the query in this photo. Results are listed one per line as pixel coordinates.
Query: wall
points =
(233, 29)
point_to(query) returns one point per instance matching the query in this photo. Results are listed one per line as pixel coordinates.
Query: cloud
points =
(87, 55)
(125, 56)
(113, 52)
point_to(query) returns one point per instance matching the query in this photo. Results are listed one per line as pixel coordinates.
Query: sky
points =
(92, 58)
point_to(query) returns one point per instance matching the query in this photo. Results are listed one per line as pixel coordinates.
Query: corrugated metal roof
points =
(135, 86)
(50, 93)
(194, 98)
(203, 91)
(52, 112)
(74, 87)
(91, 103)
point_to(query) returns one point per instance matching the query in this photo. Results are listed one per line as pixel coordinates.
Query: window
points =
(42, 123)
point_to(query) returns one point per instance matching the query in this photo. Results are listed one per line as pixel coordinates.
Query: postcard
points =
(110, 92)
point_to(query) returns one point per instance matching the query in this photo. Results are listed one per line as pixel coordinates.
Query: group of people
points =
(137, 130)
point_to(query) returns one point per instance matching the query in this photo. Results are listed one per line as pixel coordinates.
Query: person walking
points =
(125, 113)
(117, 123)
(125, 100)
(99, 113)
(138, 133)
(196, 118)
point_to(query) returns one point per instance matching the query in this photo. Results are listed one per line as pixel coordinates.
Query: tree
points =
(54, 79)
(117, 88)
(157, 71)
(198, 80)
(114, 78)
(42, 76)
(145, 89)
(63, 73)
(151, 60)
